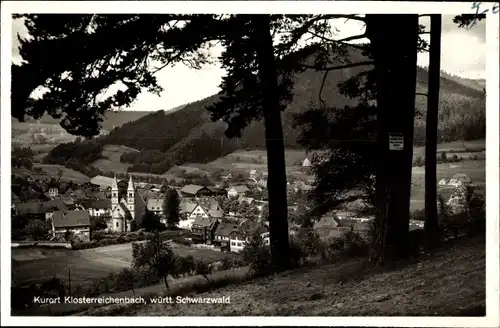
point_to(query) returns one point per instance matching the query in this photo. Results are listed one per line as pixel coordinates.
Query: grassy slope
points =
(85, 264)
(452, 282)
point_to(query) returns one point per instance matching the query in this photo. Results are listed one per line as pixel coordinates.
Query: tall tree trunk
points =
(393, 40)
(431, 214)
(278, 218)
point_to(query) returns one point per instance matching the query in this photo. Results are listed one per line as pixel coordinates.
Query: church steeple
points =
(114, 191)
(130, 185)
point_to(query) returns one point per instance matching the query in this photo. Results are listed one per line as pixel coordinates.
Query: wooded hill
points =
(189, 135)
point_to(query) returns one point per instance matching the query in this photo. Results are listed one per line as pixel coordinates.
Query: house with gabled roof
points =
(306, 162)
(76, 222)
(222, 234)
(194, 191)
(237, 191)
(203, 229)
(155, 205)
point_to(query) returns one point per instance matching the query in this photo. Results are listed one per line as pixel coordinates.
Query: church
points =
(125, 209)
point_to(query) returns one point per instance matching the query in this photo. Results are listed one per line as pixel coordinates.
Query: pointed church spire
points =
(130, 184)
(114, 186)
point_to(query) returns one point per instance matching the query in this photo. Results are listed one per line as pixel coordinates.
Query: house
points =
(103, 182)
(185, 223)
(125, 210)
(33, 210)
(187, 207)
(53, 192)
(222, 234)
(198, 211)
(226, 177)
(459, 179)
(203, 229)
(237, 241)
(77, 222)
(254, 174)
(327, 221)
(98, 207)
(193, 191)
(262, 182)
(216, 191)
(155, 205)
(306, 162)
(237, 191)
(443, 182)
(52, 206)
(248, 200)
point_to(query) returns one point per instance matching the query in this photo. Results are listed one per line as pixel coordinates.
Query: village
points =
(217, 217)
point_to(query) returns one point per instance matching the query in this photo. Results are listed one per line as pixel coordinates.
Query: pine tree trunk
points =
(431, 226)
(278, 221)
(393, 40)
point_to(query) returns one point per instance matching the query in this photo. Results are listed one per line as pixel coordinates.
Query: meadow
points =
(35, 265)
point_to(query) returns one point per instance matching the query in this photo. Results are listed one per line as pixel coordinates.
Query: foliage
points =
(309, 242)
(202, 268)
(257, 255)
(97, 223)
(156, 254)
(171, 207)
(151, 222)
(37, 229)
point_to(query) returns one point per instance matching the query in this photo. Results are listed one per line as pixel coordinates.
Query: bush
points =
(355, 245)
(182, 241)
(309, 242)
(257, 255)
(331, 247)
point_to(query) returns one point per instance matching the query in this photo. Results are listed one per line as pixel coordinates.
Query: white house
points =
(306, 162)
(198, 211)
(443, 182)
(77, 222)
(53, 192)
(237, 241)
(186, 224)
(155, 205)
(237, 191)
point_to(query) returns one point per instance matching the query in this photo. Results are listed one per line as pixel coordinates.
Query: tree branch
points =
(318, 68)
(421, 94)
(336, 41)
(321, 89)
(354, 37)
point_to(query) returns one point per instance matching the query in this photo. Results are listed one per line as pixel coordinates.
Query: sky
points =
(463, 54)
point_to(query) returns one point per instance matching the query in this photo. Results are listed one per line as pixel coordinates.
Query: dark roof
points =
(30, 208)
(215, 213)
(191, 189)
(225, 228)
(62, 219)
(204, 222)
(96, 203)
(239, 189)
(54, 205)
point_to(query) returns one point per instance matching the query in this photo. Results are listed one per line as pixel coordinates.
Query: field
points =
(31, 265)
(111, 159)
(47, 171)
(476, 170)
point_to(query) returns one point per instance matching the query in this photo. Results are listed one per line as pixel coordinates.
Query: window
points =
(233, 243)
(117, 224)
(239, 244)
(130, 194)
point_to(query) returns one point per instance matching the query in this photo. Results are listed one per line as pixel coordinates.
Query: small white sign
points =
(396, 141)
